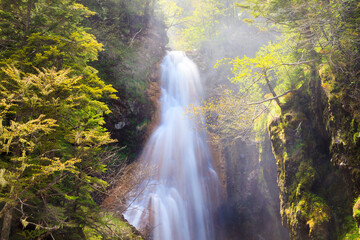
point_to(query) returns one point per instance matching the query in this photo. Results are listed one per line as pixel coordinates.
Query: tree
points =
(51, 138)
(171, 12)
(313, 46)
(321, 30)
(201, 25)
(48, 33)
(227, 117)
(51, 120)
(260, 81)
(193, 22)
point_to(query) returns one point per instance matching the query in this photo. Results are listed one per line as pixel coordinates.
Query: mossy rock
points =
(356, 212)
(306, 177)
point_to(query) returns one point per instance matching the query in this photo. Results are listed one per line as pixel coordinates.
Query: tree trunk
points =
(272, 91)
(5, 231)
(28, 16)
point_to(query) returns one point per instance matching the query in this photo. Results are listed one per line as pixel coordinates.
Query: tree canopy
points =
(315, 48)
(51, 121)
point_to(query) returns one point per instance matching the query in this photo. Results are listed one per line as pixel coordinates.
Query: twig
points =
(254, 118)
(270, 99)
(293, 64)
(67, 40)
(132, 40)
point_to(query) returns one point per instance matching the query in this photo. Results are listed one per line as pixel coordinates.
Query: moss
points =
(113, 228)
(356, 215)
(314, 212)
(343, 125)
(316, 209)
(305, 175)
(298, 148)
(349, 230)
(356, 211)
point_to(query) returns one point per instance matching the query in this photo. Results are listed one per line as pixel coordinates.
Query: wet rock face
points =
(311, 189)
(251, 209)
(153, 93)
(343, 125)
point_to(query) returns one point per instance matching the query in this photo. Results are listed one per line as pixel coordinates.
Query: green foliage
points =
(314, 210)
(326, 31)
(194, 23)
(314, 42)
(201, 24)
(51, 135)
(350, 230)
(171, 12)
(111, 228)
(46, 33)
(255, 78)
(227, 117)
(52, 108)
(305, 176)
(122, 27)
(356, 210)
(251, 74)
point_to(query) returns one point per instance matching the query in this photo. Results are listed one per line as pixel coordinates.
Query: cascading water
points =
(179, 193)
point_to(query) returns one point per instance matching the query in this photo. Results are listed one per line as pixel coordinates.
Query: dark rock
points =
(251, 208)
(311, 189)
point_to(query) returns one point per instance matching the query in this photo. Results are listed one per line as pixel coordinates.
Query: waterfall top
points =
(181, 79)
(176, 56)
(179, 195)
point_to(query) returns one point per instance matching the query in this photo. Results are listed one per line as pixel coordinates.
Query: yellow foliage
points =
(228, 116)
(21, 133)
(48, 126)
(56, 165)
(84, 10)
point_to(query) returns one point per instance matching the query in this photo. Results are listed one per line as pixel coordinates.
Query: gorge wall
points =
(251, 207)
(317, 156)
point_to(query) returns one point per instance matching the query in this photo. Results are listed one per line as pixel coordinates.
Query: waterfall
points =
(178, 196)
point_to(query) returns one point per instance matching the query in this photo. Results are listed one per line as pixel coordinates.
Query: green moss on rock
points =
(305, 174)
(356, 212)
(349, 230)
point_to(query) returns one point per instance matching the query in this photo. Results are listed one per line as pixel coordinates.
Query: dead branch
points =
(270, 99)
(132, 40)
(293, 64)
(262, 111)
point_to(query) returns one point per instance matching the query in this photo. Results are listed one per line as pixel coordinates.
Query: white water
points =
(180, 193)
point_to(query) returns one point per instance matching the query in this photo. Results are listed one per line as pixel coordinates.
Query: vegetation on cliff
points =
(134, 41)
(309, 77)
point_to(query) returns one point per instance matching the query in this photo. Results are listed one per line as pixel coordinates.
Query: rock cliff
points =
(317, 172)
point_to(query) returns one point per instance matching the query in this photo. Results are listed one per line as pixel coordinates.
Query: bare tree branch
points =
(293, 64)
(262, 111)
(270, 99)
(132, 40)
